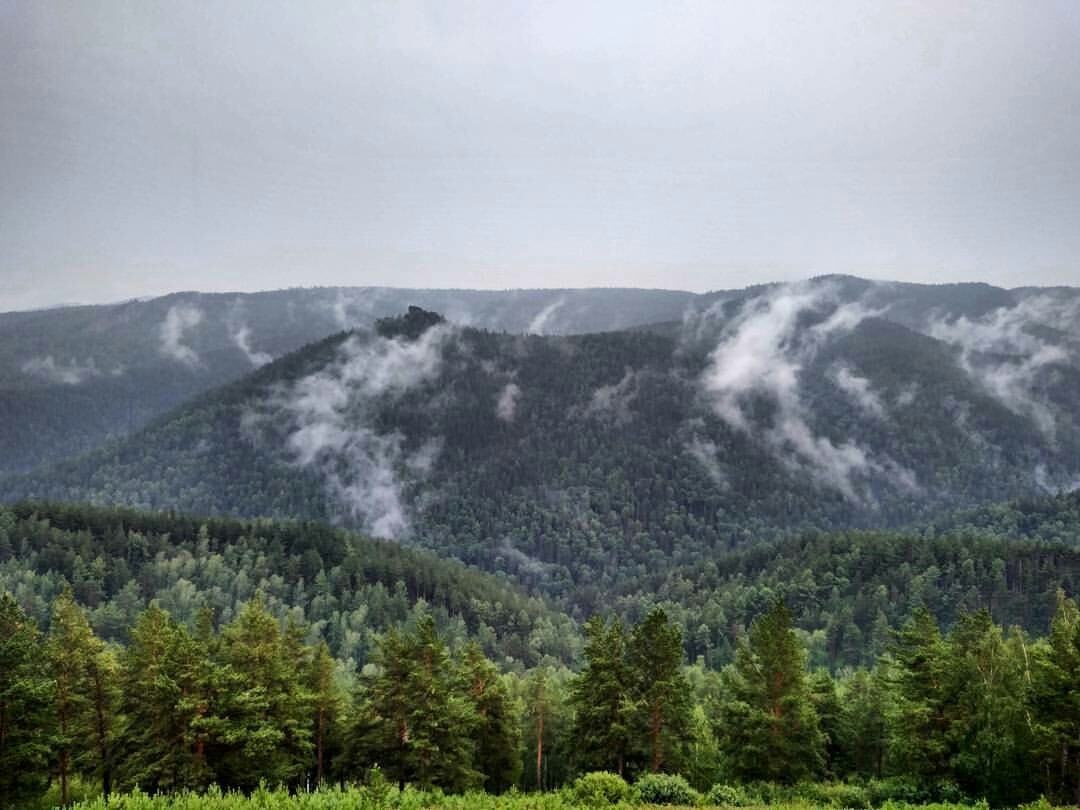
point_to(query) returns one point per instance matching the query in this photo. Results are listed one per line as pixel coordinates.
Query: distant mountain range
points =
(579, 462)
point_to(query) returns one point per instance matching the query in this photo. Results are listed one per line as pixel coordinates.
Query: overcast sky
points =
(153, 146)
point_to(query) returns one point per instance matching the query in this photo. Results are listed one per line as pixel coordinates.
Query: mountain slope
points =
(345, 587)
(73, 377)
(581, 463)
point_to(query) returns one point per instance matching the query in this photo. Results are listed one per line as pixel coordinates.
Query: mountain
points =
(583, 464)
(72, 378)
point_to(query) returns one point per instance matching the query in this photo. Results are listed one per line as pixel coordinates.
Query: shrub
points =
(664, 788)
(729, 796)
(600, 788)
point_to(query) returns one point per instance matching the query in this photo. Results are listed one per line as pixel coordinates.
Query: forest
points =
(973, 712)
(158, 652)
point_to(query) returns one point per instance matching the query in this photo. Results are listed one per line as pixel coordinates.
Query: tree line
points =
(978, 711)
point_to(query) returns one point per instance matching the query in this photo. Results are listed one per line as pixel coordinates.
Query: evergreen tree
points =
(26, 697)
(267, 727)
(767, 724)
(603, 709)
(412, 720)
(498, 721)
(1056, 703)
(918, 720)
(327, 702)
(660, 690)
(70, 649)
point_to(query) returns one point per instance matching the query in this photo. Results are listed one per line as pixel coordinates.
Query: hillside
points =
(73, 377)
(582, 464)
(344, 587)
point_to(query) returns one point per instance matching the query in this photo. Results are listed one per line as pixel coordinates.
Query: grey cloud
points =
(330, 426)
(761, 352)
(70, 373)
(506, 405)
(1002, 353)
(858, 389)
(180, 320)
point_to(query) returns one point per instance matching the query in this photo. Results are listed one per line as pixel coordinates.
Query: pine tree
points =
(603, 708)
(164, 706)
(327, 702)
(498, 722)
(26, 693)
(660, 690)
(412, 720)
(767, 725)
(918, 720)
(70, 648)
(1056, 704)
(267, 729)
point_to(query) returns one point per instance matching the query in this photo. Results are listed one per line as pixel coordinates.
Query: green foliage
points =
(664, 788)
(25, 701)
(768, 725)
(599, 788)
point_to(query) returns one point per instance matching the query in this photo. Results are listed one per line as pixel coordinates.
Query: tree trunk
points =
(540, 752)
(319, 746)
(657, 726)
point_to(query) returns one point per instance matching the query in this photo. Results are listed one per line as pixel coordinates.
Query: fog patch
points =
(858, 390)
(240, 335)
(706, 453)
(1002, 354)
(614, 400)
(73, 372)
(539, 324)
(760, 354)
(180, 320)
(331, 425)
(506, 405)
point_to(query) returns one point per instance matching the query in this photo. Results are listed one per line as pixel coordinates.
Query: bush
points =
(729, 796)
(664, 788)
(600, 788)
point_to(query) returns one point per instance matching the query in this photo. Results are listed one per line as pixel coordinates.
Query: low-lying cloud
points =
(1003, 354)
(240, 335)
(180, 320)
(332, 426)
(539, 324)
(72, 372)
(506, 404)
(760, 353)
(858, 390)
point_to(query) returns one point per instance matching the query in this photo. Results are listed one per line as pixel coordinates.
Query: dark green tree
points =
(603, 707)
(767, 724)
(26, 703)
(498, 720)
(660, 690)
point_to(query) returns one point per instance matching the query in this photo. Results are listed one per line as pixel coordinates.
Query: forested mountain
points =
(590, 465)
(73, 377)
(343, 587)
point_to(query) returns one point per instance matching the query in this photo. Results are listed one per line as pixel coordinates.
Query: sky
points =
(158, 146)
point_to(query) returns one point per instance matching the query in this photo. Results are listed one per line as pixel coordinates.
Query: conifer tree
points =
(660, 690)
(1056, 703)
(767, 723)
(498, 721)
(412, 720)
(70, 648)
(268, 732)
(918, 720)
(603, 709)
(26, 695)
(327, 703)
